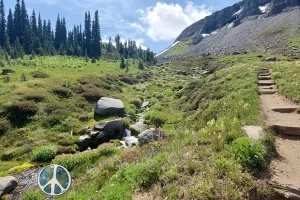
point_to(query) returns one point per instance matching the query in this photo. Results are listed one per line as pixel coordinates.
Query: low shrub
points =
(249, 153)
(20, 112)
(137, 102)
(62, 92)
(84, 158)
(39, 74)
(51, 121)
(4, 126)
(66, 150)
(156, 118)
(36, 97)
(232, 135)
(126, 122)
(43, 153)
(32, 194)
(23, 78)
(128, 80)
(84, 117)
(153, 100)
(269, 141)
(7, 71)
(78, 89)
(91, 93)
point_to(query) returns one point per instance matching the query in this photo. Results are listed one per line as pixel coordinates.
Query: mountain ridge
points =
(233, 16)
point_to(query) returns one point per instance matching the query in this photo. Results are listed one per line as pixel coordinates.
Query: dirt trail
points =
(281, 115)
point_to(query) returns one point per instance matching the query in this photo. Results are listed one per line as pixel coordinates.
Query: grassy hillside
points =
(44, 99)
(205, 154)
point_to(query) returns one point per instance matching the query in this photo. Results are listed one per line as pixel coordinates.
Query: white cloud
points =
(167, 21)
(137, 26)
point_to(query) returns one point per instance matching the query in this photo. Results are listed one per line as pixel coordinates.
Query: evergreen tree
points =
(57, 33)
(22, 34)
(88, 34)
(141, 66)
(109, 46)
(33, 23)
(122, 63)
(24, 21)
(10, 27)
(127, 69)
(96, 37)
(18, 49)
(45, 32)
(28, 36)
(17, 21)
(118, 41)
(7, 44)
(40, 28)
(2, 24)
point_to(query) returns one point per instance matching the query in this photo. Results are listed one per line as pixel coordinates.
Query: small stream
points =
(131, 141)
(27, 180)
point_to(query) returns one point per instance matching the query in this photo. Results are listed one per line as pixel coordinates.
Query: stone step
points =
(266, 83)
(286, 130)
(268, 88)
(264, 78)
(285, 110)
(285, 192)
(264, 91)
(264, 70)
(264, 74)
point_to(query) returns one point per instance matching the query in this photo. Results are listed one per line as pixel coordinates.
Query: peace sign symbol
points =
(54, 180)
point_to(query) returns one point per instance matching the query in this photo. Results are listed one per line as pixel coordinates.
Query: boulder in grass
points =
(271, 59)
(84, 141)
(148, 136)
(109, 131)
(7, 185)
(138, 128)
(109, 106)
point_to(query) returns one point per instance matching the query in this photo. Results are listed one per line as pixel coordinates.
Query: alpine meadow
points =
(215, 115)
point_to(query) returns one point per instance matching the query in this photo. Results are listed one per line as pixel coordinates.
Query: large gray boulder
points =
(110, 131)
(109, 106)
(103, 132)
(148, 136)
(84, 141)
(138, 128)
(7, 184)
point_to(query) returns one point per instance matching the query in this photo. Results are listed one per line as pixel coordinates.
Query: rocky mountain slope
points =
(250, 25)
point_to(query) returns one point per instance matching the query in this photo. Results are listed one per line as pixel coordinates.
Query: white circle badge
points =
(54, 180)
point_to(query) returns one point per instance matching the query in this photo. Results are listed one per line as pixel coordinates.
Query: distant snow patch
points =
(230, 25)
(205, 35)
(215, 32)
(264, 8)
(167, 49)
(239, 12)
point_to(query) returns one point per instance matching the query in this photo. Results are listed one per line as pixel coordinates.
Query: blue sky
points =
(151, 23)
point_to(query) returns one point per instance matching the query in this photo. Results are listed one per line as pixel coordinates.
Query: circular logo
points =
(54, 180)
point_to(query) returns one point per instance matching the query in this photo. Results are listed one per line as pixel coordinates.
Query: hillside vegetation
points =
(203, 118)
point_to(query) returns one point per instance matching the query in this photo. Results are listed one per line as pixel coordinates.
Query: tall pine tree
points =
(10, 27)
(33, 23)
(96, 37)
(17, 21)
(24, 21)
(87, 33)
(2, 24)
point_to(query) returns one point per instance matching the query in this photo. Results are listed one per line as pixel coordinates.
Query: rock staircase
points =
(281, 115)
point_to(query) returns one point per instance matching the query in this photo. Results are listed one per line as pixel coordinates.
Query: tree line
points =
(22, 34)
